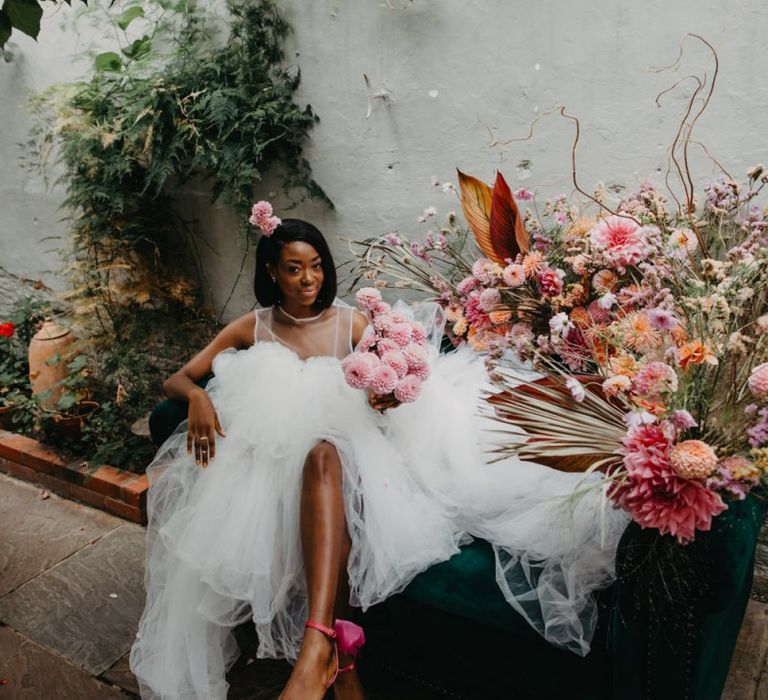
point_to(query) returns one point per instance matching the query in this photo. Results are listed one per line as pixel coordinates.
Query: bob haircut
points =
(268, 253)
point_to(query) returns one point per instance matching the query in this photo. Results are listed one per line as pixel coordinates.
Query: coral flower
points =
(693, 459)
(499, 317)
(621, 239)
(533, 263)
(696, 353)
(655, 378)
(605, 281)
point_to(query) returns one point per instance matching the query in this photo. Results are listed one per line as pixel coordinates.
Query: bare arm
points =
(203, 422)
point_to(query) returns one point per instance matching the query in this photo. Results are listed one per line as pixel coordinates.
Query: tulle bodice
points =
(329, 334)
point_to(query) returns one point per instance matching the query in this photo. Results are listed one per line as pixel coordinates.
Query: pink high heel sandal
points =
(349, 638)
(331, 634)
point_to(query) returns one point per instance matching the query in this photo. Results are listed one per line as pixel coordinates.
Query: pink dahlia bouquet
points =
(391, 359)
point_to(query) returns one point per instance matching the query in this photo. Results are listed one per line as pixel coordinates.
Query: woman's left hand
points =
(382, 403)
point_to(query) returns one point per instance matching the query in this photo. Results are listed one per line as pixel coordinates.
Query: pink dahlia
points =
(408, 389)
(385, 345)
(396, 360)
(488, 299)
(513, 275)
(655, 378)
(400, 333)
(418, 334)
(693, 459)
(367, 297)
(383, 322)
(359, 368)
(467, 285)
(380, 307)
(383, 379)
(758, 381)
(621, 239)
(654, 495)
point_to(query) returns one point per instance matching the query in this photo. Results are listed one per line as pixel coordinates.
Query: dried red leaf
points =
(507, 230)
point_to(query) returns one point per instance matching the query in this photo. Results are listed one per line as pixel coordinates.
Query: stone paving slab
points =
(120, 674)
(36, 533)
(32, 673)
(87, 608)
(748, 675)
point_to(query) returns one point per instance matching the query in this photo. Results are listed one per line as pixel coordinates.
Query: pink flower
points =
(654, 495)
(358, 368)
(475, 315)
(367, 297)
(381, 307)
(383, 379)
(522, 194)
(467, 285)
(385, 345)
(396, 360)
(382, 323)
(613, 386)
(655, 378)
(408, 389)
(682, 420)
(269, 226)
(621, 239)
(392, 240)
(260, 212)
(488, 299)
(576, 388)
(418, 334)
(693, 459)
(551, 281)
(400, 333)
(662, 319)
(758, 381)
(513, 275)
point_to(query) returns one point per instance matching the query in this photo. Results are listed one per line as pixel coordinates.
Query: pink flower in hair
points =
(260, 212)
(408, 389)
(383, 379)
(396, 360)
(359, 368)
(269, 226)
(368, 297)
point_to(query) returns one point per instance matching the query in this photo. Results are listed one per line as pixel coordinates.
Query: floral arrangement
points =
(392, 356)
(648, 322)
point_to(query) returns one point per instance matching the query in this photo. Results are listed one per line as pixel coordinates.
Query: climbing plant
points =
(185, 93)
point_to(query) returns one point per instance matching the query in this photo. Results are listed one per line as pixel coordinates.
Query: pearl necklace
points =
(300, 320)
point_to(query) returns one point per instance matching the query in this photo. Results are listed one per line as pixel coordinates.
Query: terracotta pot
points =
(6, 416)
(72, 426)
(45, 344)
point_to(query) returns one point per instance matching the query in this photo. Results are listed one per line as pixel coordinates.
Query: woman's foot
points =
(347, 685)
(314, 668)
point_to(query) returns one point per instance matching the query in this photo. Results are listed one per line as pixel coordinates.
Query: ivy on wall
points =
(186, 93)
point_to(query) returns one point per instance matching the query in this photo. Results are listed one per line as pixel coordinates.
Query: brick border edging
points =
(117, 491)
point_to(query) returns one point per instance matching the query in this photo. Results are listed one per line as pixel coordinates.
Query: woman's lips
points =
(309, 292)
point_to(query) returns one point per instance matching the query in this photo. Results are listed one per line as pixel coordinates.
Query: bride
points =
(288, 496)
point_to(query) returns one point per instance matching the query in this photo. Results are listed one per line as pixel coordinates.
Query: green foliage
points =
(23, 15)
(174, 100)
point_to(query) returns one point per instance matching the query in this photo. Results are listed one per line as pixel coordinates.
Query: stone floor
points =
(71, 592)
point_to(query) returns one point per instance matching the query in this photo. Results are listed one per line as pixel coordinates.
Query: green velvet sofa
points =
(667, 627)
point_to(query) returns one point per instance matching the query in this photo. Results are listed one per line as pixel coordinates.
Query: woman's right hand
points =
(202, 426)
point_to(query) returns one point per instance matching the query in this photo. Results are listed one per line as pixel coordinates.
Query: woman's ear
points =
(271, 272)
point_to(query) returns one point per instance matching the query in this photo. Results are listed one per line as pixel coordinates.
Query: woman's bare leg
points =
(324, 540)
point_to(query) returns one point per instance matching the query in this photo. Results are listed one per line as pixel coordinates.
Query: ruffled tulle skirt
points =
(224, 545)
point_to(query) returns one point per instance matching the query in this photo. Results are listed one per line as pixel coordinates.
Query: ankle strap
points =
(327, 631)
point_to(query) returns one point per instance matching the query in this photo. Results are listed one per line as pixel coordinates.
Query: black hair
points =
(268, 253)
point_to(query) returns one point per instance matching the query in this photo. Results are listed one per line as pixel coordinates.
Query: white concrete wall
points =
(461, 73)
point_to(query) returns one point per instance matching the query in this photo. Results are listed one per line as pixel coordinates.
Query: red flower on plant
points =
(7, 329)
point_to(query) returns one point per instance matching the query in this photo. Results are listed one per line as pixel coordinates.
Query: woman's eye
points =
(317, 266)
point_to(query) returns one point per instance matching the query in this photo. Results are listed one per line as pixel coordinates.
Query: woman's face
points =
(299, 273)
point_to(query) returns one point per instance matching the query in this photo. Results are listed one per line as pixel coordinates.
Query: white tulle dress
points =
(223, 542)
